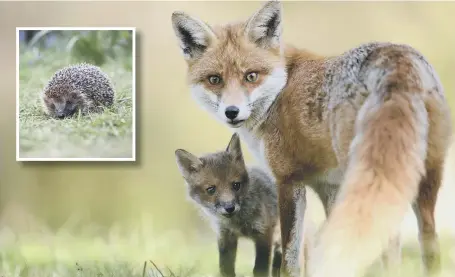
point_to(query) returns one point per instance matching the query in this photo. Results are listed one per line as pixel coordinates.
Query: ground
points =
(14, 264)
(105, 135)
(120, 254)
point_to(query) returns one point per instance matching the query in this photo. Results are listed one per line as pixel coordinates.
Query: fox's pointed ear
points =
(234, 147)
(264, 28)
(187, 162)
(193, 34)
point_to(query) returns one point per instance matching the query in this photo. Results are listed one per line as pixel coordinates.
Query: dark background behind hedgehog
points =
(80, 87)
(118, 212)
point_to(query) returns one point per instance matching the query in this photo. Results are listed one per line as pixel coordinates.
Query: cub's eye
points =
(251, 77)
(211, 190)
(236, 186)
(214, 79)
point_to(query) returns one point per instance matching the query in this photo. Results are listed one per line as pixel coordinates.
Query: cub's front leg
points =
(263, 245)
(227, 249)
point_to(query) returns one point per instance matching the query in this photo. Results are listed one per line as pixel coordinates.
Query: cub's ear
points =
(234, 147)
(187, 162)
(193, 34)
(264, 27)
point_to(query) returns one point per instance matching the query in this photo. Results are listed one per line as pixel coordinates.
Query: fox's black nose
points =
(231, 112)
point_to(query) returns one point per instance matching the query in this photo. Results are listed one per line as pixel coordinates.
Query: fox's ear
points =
(193, 34)
(264, 27)
(187, 162)
(234, 147)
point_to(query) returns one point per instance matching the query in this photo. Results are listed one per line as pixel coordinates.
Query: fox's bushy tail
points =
(387, 162)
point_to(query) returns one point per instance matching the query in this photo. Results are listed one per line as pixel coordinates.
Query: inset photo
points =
(75, 94)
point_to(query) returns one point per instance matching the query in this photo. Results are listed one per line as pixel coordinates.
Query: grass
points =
(139, 248)
(143, 254)
(104, 135)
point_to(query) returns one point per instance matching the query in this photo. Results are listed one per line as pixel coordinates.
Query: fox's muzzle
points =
(234, 106)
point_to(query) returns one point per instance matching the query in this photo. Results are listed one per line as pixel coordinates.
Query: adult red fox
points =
(372, 121)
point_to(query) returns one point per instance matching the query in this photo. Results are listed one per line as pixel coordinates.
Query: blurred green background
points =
(92, 46)
(139, 210)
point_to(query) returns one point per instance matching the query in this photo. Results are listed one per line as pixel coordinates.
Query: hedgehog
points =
(81, 87)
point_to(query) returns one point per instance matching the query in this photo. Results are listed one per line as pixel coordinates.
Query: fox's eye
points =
(211, 190)
(236, 186)
(251, 77)
(214, 79)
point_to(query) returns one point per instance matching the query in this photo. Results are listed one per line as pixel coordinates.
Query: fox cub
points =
(239, 202)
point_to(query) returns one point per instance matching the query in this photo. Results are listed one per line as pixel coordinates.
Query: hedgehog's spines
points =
(80, 86)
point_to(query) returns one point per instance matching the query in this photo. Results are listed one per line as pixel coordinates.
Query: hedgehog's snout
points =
(64, 109)
(60, 112)
(60, 115)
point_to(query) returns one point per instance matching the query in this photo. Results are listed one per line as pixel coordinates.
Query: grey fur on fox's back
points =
(81, 87)
(239, 201)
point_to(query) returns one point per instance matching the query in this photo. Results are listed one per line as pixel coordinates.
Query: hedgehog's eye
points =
(52, 105)
(68, 102)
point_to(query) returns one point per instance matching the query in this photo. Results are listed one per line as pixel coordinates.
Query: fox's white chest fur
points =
(256, 146)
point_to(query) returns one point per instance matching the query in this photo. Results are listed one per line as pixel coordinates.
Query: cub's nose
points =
(231, 112)
(229, 209)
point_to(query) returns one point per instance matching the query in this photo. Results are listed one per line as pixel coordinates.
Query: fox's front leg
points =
(391, 258)
(290, 201)
(227, 249)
